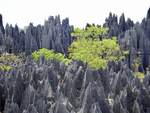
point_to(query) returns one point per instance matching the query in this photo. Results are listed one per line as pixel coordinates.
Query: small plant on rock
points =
(139, 75)
(5, 67)
(9, 61)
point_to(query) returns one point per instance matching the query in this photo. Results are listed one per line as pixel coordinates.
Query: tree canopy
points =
(93, 51)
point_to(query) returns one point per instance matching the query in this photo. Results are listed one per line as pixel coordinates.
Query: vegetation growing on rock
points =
(6, 58)
(50, 55)
(90, 49)
(53, 87)
(9, 61)
(139, 75)
(5, 67)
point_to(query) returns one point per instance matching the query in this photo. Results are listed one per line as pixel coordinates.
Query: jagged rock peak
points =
(148, 14)
(1, 24)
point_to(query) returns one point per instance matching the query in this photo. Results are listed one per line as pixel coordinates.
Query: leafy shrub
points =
(136, 64)
(5, 67)
(50, 55)
(139, 75)
(125, 53)
(9, 58)
(8, 61)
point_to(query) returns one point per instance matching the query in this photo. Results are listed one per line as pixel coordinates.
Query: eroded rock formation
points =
(54, 34)
(52, 87)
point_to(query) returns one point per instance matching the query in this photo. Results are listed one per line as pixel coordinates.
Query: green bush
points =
(5, 67)
(126, 53)
(7, 61)
(9, 58)
(50, 55)
(139, 75)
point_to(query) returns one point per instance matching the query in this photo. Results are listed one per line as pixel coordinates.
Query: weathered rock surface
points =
(54, 34)
(52, 87)
(132, 36)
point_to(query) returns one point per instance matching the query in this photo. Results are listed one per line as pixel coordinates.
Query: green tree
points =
(93, 51)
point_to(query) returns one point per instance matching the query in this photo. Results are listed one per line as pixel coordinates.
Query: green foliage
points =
(93, 32)
(5, 67)
(9, 58)
(136, 63)
(95, 53)
(139, 75)
(126, 53)
(8, 61)
(50, 55)
(137, 60)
